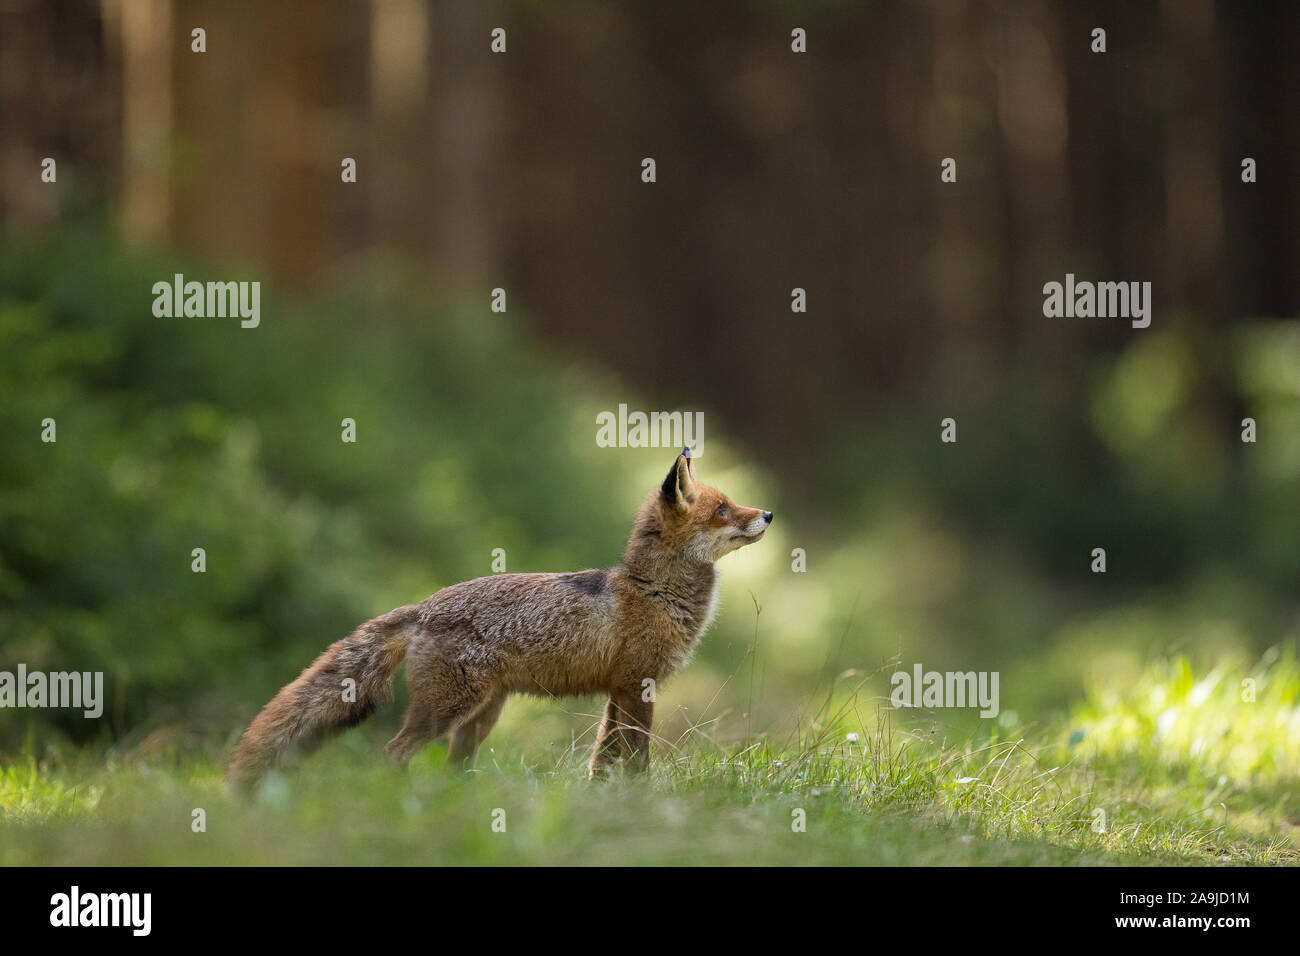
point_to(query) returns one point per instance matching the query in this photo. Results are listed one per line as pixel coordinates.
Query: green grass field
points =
(1178, 768)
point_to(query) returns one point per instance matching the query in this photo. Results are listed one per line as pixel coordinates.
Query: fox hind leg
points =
(442, 696)
(470, 732)
(424, 723)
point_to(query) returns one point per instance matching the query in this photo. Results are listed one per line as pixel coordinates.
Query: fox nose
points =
(767, 516)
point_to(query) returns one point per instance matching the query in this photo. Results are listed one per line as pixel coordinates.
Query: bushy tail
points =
(299, 717)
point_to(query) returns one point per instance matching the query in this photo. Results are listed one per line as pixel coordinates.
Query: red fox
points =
(470, 645)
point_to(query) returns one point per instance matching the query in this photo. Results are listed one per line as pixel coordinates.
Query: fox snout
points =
(755, 528)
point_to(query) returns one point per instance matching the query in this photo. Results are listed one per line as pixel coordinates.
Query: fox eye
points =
(722, 511)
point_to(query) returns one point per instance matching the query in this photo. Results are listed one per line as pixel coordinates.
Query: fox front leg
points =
(624, 733)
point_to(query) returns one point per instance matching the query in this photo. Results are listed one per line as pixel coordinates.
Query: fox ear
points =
(678, 489)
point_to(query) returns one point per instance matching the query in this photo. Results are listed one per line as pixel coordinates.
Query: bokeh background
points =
(476, 430)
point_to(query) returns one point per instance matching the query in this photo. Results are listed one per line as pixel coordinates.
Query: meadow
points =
(1176, 769)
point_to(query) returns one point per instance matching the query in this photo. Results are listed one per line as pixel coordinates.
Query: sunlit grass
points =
(27, 794)
(1235, 721)
(1122, 781)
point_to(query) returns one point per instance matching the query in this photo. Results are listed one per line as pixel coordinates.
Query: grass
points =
(1175, 768)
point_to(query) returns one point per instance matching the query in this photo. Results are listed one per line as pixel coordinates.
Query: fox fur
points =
(471, 645)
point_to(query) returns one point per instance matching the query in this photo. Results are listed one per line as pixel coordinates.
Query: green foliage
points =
(174, 434)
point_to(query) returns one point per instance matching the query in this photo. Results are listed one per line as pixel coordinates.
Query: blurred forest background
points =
(476, 430)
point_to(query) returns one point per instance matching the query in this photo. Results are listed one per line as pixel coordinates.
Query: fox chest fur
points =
(662, 621)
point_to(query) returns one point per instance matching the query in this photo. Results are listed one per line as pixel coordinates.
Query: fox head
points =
(693, 521)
